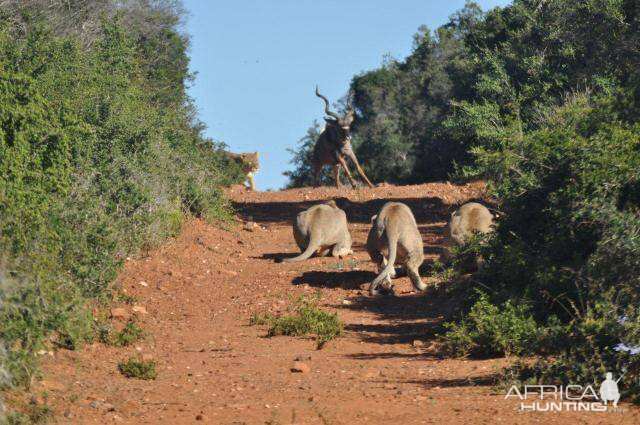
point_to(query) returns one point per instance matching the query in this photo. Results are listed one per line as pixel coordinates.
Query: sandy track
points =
(203, 287)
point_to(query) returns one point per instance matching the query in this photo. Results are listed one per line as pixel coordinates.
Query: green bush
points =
(488, 330)
(306, 319)
(130, 333)
(134, 367)
(33, 414)
(568, 243)
(100, 156)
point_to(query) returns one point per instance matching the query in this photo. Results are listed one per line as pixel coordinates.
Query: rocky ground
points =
(195, 296)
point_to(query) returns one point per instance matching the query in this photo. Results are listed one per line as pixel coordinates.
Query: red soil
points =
(213, 368)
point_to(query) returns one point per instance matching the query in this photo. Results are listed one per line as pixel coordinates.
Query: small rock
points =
(228, 272)
(250, 226)
(417, 343)
(109, 407)
(346, 302)
(300, 367)
(119, 313)
(199, 417)
(37, 400)
(143, 283)
(139, 310)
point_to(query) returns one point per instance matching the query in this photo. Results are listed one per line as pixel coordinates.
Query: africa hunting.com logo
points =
(559, 398)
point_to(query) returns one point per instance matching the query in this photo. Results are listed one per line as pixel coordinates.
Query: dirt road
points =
(200, 290)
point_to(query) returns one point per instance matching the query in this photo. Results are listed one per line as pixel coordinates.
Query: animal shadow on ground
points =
(276, 256)
(470, 381)
(425, 210)
(400, 319)
(339, 279)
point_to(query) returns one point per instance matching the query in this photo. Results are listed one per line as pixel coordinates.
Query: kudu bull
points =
(334, 143)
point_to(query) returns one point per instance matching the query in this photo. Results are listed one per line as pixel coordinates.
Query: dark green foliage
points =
(542, 100)
(306, 319)
(302, 175)
(128, 335)
(398, 136)
(488, 330)
(126, 298)
(100, 156)
(552, 120)
(569, 241)
(134, 367)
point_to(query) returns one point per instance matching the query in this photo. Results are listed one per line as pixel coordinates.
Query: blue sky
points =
(258, 62)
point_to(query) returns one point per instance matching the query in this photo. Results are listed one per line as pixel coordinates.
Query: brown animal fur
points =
(467, 220)
(334, 144)
(250, 165)
(394, 238)
(321, 229)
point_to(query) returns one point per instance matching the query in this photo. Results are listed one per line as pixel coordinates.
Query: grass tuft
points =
(135, 367)
(32, 414)
(127, 336)
(306, 319)
(126, 298)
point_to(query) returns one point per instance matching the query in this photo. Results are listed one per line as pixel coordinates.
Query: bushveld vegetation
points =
(306, 318)
(135, 367)
(542, 100)
(100, 156)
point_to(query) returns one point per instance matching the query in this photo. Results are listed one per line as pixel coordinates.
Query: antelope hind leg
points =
(336, 175)
(346, 169)
(363, 175)
(359, 168)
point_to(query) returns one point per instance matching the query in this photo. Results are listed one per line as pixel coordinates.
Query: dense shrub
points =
(100, 156)
(138, 368)
(541, 99)
(489, 330)
(570, 237)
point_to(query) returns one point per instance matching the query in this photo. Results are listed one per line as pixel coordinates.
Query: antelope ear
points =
(374, 218)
